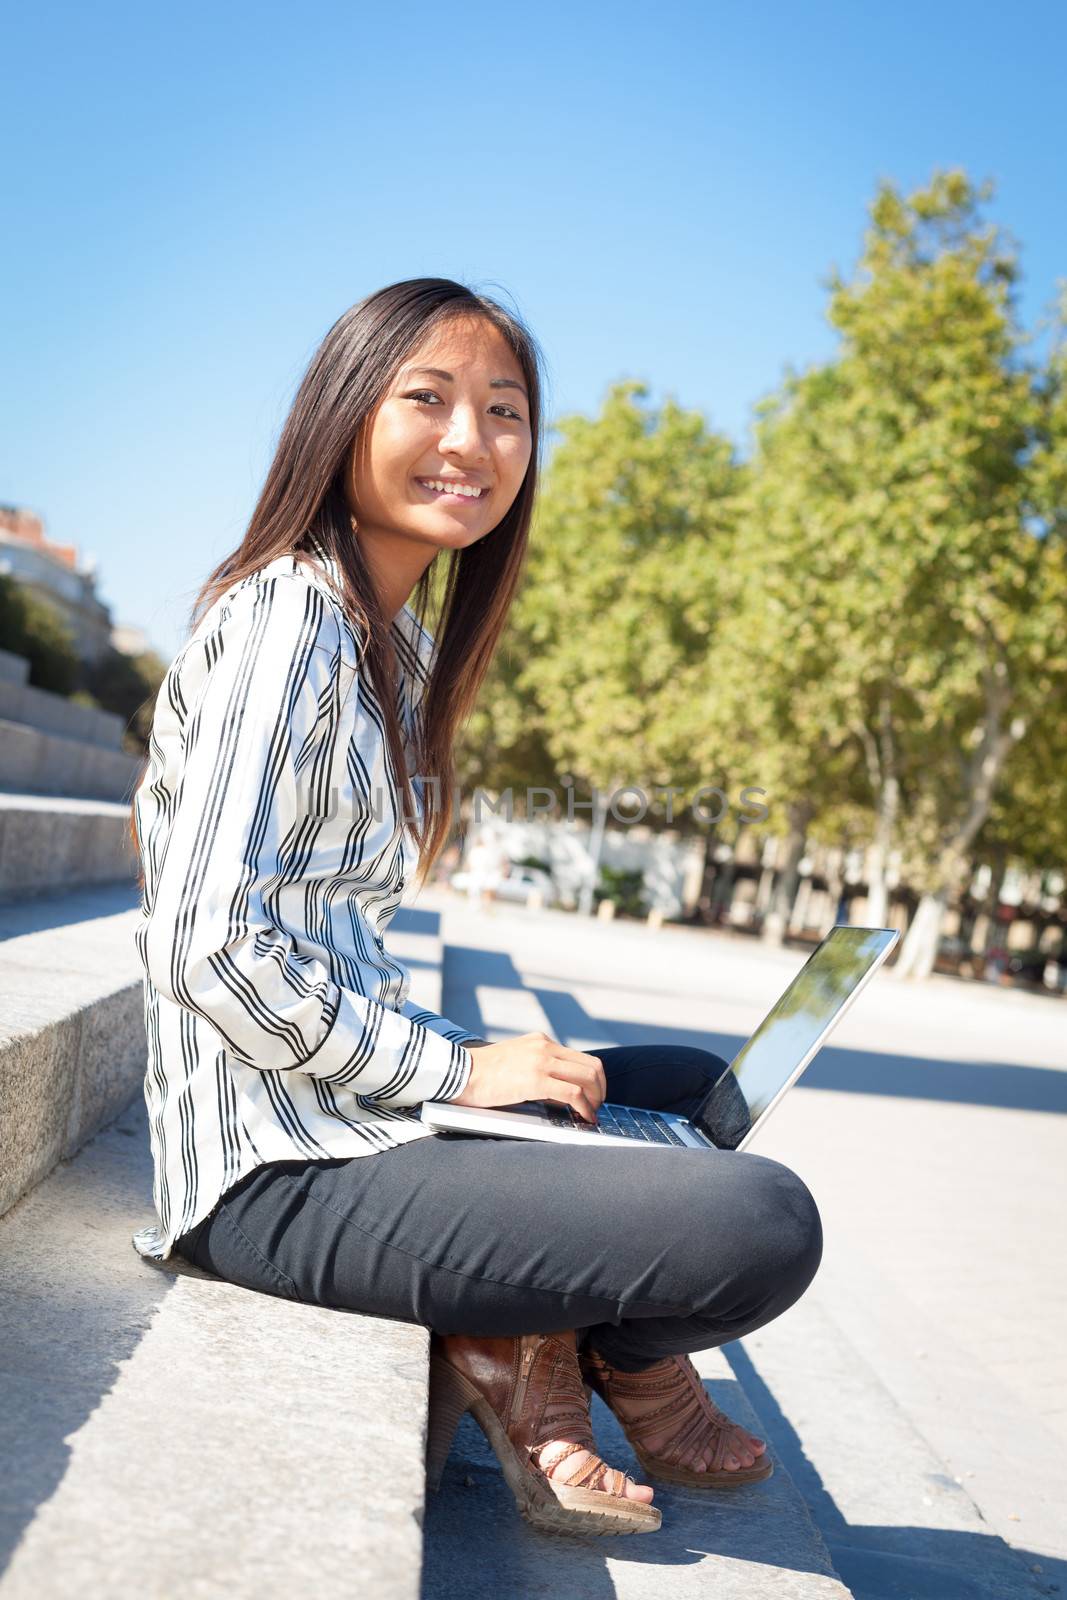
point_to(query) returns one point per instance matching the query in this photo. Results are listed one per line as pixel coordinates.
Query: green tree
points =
(909, 612)
(126, 685)
(31, 628)
(605, 670)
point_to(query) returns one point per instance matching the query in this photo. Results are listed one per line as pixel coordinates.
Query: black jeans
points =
(647, 1253)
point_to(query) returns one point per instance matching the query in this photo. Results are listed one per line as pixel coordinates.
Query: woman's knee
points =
(695, 1070)
(789, 1228)
(704, 1063)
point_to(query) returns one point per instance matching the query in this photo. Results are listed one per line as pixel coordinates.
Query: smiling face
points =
(434, 439)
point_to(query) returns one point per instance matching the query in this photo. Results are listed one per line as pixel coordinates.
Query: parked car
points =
(518, 884)
(521, 882)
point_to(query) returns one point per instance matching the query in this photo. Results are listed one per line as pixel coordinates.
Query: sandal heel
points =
(450, 1398)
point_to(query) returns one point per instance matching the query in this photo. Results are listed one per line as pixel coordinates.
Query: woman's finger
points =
(582, 1076)
(572, 1094)
(583, 1058)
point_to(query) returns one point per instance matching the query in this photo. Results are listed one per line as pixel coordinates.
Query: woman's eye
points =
(421, 396)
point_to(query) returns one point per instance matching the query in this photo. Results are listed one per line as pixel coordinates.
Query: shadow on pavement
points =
(72, 1313)
(732, 1542)
(899, 1563)
(960, 1082)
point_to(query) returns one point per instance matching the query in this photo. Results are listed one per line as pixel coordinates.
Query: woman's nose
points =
(464, 432)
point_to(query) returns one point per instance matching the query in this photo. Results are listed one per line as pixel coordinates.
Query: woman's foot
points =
(527, 1396)
(677, 1431)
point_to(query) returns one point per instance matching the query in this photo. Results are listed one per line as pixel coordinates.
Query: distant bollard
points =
(606, 910)
(535, 900)
(655, 918)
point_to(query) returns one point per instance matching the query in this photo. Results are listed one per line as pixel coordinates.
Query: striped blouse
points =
(274, 857)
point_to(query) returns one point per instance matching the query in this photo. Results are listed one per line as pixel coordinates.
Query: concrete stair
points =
(167, 1434)
(51, 745)
(274, 1444)
(72, 1043)
(754, 1543)
(49, 844)
(37, 762)
(56, 713)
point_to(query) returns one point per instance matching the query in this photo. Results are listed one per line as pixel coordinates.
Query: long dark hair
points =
(304, 493)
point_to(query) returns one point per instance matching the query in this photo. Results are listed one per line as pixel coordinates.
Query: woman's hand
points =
(534, 1067)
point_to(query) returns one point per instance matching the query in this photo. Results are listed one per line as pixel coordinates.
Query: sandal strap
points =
(563, 1413)
(533, 1384)
(684, 1405)
(594, 1474)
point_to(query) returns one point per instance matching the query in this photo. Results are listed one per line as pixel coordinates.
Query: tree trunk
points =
(723, 890)
(880, 755)
(878, 854)
(986, 924)
(919, 949)
(788, 879)
(598, 828)
(835, 879)
(702, 910)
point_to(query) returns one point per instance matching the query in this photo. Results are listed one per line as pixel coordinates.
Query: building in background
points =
(131, 640)
(52, 573)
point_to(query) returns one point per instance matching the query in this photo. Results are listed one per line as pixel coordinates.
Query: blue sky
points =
(195, 193)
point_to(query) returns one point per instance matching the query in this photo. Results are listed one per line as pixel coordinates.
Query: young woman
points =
(300, 767)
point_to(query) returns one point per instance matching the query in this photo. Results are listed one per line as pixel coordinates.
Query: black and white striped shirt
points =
(274, 858)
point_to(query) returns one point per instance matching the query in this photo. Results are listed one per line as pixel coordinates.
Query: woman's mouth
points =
(442, 489)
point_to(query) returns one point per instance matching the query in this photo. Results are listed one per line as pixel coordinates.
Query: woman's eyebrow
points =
(494, 383)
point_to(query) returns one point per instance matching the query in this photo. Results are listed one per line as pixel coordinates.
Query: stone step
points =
(14, 669)
(49, 844)
(757, 1542)
(36, 762)
(72, 1040)
(56, 713)
(167, 1434)
(898, 1518)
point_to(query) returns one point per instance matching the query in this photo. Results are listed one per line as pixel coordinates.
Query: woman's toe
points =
(639, 1491)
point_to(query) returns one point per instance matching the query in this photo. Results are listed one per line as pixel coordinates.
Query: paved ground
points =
(920, 1390)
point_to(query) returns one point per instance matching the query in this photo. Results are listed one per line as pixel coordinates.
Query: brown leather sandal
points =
(685, 1402)
(523, 1393)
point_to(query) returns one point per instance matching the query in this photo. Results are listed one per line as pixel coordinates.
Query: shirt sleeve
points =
(441, 1025)
(257, 728)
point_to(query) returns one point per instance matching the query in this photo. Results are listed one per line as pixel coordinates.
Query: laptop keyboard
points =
(628, 1122)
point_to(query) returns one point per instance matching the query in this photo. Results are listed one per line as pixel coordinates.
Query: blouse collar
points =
(417, 643)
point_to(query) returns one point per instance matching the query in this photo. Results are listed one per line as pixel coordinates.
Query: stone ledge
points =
(72, 1040)
(57, 713)
(167, 1433)
(50, 844)
(48, 763)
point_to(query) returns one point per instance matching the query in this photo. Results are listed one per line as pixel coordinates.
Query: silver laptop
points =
(752, 1085)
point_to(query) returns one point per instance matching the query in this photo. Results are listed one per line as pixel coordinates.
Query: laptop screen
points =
(790, 1034)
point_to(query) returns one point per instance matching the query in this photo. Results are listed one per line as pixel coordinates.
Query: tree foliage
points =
(604, 675)
(867, 620)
